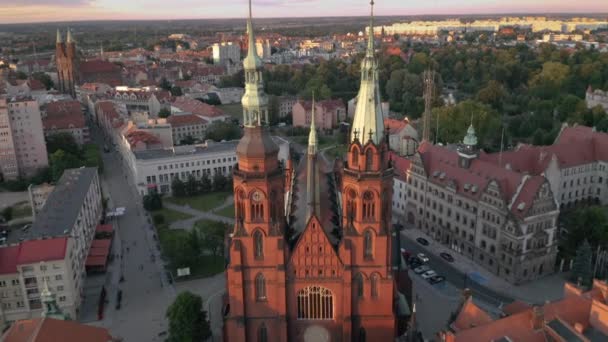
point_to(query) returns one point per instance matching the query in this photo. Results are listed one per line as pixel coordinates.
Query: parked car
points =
(423, 257)
(421, 269)
(415, 262)
(447, 256)
(422, 241)
(406, 254)
(436, 279)
(428, 274)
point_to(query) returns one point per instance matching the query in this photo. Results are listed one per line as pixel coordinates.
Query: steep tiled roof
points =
(186, 120)
(395, 126)
(62, 114)
(8, 259)
(97, 66)
(193, 106)
(32, 251)
(136, 136)
(52, 330)
(470, 315)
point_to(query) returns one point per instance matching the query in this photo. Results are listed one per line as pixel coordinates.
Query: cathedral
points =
(311, 256)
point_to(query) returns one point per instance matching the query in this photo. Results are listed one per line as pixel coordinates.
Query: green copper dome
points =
(470, 139)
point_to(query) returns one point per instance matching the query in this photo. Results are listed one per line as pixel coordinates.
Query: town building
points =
(203, 110)
(263, 48)
(66, 117)
(286, 104)
(310, 257)
(30, 87)
(187, 126)
(553, 37)
(67, 64)
(581, 315)
(596, 97)
(37, 195)
(328, 113)
(502, 219)
(226, 52)
(53, 252)
(230, 95)
(146, 99)
(22, 146)
(403, 137)
(51, 329)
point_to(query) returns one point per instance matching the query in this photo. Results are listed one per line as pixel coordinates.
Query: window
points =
(369, 207)
(374, 281)
(359, 285)
(258, 239)
(263, 333)
(260, 287)
(62, 298)
(367, 244)
(369, 160)
(315, 303)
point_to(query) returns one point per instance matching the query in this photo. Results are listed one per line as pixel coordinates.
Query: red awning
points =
(104, 228)
(98, 253)
(96, 261)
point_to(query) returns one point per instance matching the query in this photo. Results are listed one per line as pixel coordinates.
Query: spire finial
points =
(370, 42)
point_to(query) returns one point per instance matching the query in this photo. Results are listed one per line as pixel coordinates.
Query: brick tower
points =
(67, 64)
(367, 186)
(256, 271)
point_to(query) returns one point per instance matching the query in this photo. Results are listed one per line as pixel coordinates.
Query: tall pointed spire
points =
(312, 136)
(252, 61)
(70, 39)
(368, 119)
(59, 37)
(50, 307)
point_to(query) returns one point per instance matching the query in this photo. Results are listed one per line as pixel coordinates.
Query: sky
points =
(23, 11)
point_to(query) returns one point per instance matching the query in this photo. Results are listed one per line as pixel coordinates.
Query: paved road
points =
(8, 199)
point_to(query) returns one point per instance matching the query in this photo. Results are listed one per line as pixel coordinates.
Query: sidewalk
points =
(547, 288)
(197, 215)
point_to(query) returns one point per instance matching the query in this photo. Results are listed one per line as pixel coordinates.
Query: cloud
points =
(7, 3)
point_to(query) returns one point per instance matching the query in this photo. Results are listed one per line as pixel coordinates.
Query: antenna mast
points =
(429, 84)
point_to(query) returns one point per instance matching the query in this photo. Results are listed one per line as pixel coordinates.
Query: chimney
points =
(579, 328)
(538, 317)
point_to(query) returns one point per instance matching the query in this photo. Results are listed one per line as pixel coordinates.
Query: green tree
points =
(589, 223)
(92, 157)
(7, 213)
(205, 183)
(582, 268)
(166, 85)
(60, 161)
(62, 141)
(153, 201)
(187, 319)
(178, 187)
(44, 79)
(164, 113)
(21, 75)
(220, 130)
(191, 186)
(220, 182)
(213, 233)
(493, 94)
(176, 91)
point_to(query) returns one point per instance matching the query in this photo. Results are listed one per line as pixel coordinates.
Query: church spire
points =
(70, 39)
(59, 37)
(368, 120)
(252, 61)
(50, 307)
(312, 136)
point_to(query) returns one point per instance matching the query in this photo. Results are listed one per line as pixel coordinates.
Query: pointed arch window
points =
(368, 246)
(374, 281)
(258, 244)
(362, 335)
(351, 205)
(260, 287)
(355, 158)
(359, 285)
(315, 303)
(369, 160)
(369, 206)
(263, 333)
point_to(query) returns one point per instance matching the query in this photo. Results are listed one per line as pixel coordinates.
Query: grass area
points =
(235, 110)
(226, 212)
(171, 215)
(22, 209)
(204, 202)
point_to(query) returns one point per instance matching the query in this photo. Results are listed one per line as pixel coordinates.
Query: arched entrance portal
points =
(316, 333)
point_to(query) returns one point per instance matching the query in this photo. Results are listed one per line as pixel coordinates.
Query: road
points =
(453, 275)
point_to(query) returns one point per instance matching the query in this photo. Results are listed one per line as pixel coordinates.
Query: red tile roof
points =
(515, 307)
(136, 136)
(395, 126)
(401, 165)
(53, 330)
(32, 251)
(97, 66)
(63, 114)
(186, 120)
(470, 315)
(8, 259)
(197, 107)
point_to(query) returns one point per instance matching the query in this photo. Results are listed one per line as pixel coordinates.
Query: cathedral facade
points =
(66, 61)
(311, 254)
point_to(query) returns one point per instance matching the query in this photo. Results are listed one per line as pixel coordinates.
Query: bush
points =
(158, 218)
(7, 213)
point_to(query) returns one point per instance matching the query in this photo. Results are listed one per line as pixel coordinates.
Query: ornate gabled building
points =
(311, 255)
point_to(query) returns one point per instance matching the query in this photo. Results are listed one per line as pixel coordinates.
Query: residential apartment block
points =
(66, 117)
(187, 125)
(22, 146)
(328, 113)
(226, 52)
(53, 251)
(502, 219)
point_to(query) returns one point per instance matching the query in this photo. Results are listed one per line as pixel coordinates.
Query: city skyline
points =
(18, 11)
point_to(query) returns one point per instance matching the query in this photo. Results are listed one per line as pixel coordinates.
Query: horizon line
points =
(595, 14)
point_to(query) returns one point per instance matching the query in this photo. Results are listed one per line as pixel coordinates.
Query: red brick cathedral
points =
(310, 256)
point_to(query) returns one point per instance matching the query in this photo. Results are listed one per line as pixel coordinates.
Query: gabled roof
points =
(395, 126)
(186, 120)
(97, 66)
(470, 315)
(63, 114)
(8, 259)
(197, 107)
(315, 242)
(33, 251)
(53, 330)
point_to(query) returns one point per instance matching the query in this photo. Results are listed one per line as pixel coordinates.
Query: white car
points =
(421, 269)
(428, 274)
(423, 257)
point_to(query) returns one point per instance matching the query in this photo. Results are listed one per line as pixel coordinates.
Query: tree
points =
(21, 75)
(176, 91)
(92, 157)
(191, 186)
(492, 94)
(62, 141)
(7, 213)
(220, 130)
(187, 140)
(60, 161)
(219, 182)
(187, 319)
(590, 223)
(44, 79)
(213, 233)
(582, 268)
(166, 85)
(164, 113)
(205, 183)
(178, 187)
(153, 201)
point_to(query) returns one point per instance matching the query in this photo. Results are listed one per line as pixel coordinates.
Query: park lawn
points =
(207, 266)
(226, 212)
(235, 110)
(171, 215)
(204, 202)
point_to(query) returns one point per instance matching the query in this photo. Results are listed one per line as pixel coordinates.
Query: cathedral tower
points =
(256, 270)
(367, 187)
(66, 60)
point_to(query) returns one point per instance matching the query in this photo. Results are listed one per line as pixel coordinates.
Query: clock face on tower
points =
(257, 196)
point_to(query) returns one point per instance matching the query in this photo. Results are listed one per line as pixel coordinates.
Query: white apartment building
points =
(503, 220)
(262, 46)
(187, 125)
(226, 52)
(22, 145)
(54, 250)
(155, 169)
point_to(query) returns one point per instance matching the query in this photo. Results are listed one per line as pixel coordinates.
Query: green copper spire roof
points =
(312, 136)
(470, 139)
(49, 304)
(59, 37)
(368, 122)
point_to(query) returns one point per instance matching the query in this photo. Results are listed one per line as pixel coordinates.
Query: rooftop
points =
(185, 120)
(63, 115)
(52, 330)
(186, 150)
(62, 207)
(197, 107)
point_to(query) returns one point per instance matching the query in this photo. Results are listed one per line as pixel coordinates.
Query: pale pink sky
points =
(18, 11)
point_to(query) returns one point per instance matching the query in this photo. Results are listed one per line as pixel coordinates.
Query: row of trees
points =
(65, 153)
(193, 187)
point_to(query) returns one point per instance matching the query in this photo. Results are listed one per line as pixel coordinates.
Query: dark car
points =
(422, 241)
(447, 256)
(436, 279)
(415, 262)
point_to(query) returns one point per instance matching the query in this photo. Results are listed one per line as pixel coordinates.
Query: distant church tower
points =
(67, 64)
